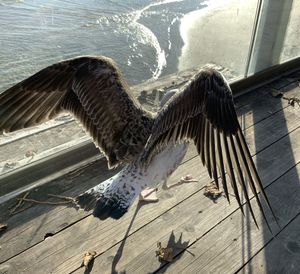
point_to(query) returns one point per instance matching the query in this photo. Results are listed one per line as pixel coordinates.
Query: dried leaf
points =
(3, 227)
(88, 258)
(164, 253)
(292, 100)
(211, 191)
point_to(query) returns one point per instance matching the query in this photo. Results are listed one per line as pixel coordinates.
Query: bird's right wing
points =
(204, 113)
(93, 90)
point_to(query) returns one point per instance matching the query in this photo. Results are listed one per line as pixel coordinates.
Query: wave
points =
(129, 25)
(151, 38)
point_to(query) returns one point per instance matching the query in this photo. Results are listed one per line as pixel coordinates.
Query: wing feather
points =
(204, 112)
(213, 156)
(229, 168)
(93, 90)
(221, 164)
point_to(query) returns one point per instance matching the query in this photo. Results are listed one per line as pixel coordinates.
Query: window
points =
(149, 39)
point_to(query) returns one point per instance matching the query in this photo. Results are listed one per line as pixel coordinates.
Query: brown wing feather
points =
(38, 98)
(204, 112)
(122, 126)
(93, 90)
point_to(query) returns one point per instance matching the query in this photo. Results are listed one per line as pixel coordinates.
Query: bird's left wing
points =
(204, 112)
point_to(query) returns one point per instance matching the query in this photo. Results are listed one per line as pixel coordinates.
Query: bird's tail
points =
(111, 198)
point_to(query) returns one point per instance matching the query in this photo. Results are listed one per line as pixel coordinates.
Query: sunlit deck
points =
(206, 236)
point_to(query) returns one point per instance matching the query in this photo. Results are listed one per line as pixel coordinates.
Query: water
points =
(141, 35)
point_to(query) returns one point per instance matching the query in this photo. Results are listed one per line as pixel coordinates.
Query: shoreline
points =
(210, 35)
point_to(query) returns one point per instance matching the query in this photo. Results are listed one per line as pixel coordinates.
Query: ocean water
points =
(142, 36)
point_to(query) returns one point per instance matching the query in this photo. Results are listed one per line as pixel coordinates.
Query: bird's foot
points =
(188, 179)
(148, 195)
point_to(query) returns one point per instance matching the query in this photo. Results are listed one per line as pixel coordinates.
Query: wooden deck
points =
(206, 236)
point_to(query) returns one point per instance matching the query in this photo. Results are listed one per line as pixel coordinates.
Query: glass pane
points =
(142, 36)
(219, 34)
(291, 44)
(277, 37)
(147, 38)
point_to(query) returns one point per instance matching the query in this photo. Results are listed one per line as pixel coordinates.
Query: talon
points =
(148, 195)
(188, 179)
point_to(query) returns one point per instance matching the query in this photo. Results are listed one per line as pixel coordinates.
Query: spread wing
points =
(92, 89)
(204, 113)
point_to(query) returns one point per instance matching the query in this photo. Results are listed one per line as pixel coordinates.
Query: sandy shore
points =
(219, 33)
(292, 37)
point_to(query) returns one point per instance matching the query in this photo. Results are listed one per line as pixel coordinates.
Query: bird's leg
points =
(148, 195)
(183, 180)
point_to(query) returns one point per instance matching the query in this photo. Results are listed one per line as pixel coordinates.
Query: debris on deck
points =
(164, 253)
(3, 227)
(19, 207)
(89, 256)
(212, 192)
(291, 100)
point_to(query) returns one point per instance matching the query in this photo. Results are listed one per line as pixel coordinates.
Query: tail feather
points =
(111, 198)
(104, 207)
(87, 201)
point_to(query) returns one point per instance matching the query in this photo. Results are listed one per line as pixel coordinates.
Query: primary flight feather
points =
(149, 146)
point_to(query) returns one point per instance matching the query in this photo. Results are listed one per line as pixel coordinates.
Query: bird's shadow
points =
(178, 247)
(119, 252)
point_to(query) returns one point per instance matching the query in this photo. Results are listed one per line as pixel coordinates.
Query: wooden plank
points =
(190, 221)
(55, 216)
(62, 253)
(31, 219)
(232, 243)
(30, 226)
(282, 254)
(261, 107)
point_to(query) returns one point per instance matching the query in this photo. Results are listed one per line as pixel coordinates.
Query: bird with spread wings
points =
(149, 146)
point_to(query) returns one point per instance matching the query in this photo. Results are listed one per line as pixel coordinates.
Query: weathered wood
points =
(282, 254)
(63, 252)
(30, 226)
(271, 130)
(263, 106)
(236, 240)
(57, 164)
(193, 219)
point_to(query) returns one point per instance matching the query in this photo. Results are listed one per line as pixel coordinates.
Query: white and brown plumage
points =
(93, 90)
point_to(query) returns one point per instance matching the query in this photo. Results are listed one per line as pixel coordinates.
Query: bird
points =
(149, 146)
